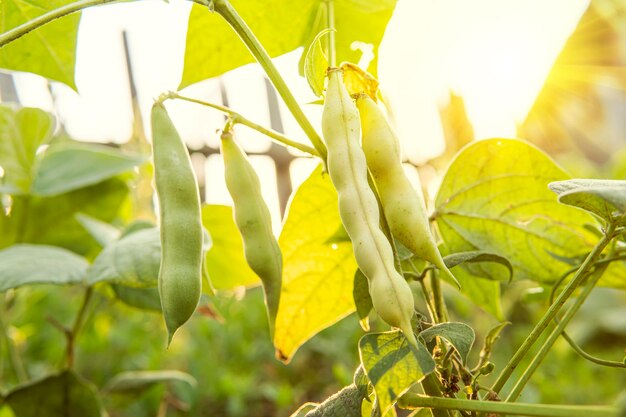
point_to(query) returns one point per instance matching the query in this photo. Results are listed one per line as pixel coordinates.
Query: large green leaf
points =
(133, 261)
(282, 26)
(103, 233)
(50, 50)
(21, 133)
(495, 198)
(605, 198)
(62, 395)
(51, 220)
(39, 264)
(393, 365)
(69, 166)
(317, 275)
(485, 293)
(225, 262)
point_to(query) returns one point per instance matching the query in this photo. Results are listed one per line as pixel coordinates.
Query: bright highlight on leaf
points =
(49, 51)
(213, 48)
(317, 275)
(225, 262)
(495, 198)
(315, 64)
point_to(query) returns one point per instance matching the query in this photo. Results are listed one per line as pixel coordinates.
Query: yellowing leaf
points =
(317, 274)
(495, 198)
(225, 262)
(281, 25)
(358, 81)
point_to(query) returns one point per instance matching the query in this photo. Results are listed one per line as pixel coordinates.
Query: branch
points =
(238, 118)
(224, 9)
(513, 409)
(547, 345)
(555, 307)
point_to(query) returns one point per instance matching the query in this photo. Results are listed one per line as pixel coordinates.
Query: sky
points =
(495, 53)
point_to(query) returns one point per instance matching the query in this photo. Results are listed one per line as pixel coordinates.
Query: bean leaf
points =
(315, 64)
(318, 276)
(345, 403)
(494, 198)
(362, 299)
(133, 260)
(62, 395)
(604, 198)
(393, 365)
(26, 264)
(460, 335)
(478, 256)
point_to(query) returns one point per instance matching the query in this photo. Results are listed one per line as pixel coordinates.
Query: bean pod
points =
(180, 274)
(403, 206)
(391, 294)
(254, 222)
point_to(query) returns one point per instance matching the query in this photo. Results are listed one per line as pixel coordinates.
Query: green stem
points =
(547, 345)
(552, 312)
(514, 409)
(591, 358)
(330, 24)
(238, 118)
(432, 387)
(425, 292)
(572, 343)
(226, 10)
(21, 30)
(78, 322)
(440, 305)
(15, 360)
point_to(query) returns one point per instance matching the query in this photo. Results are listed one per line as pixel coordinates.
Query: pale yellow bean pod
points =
(391, 294)
(403, 205)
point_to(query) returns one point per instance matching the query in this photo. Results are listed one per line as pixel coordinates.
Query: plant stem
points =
(555, 307)
(425, 292)
(515, 409)
(238, 118)
(432, 387)
(78, 322)
(572, 342)
(21, 30)
(440, 305)
(226, 10)
(547, 345)
(330, 24)
(14, 356)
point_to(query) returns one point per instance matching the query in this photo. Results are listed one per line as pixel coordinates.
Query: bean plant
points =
(356, 237)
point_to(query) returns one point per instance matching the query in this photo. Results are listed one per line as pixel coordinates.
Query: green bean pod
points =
(391, 294)
(254, 222)
(180, 274)
(403, 206)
